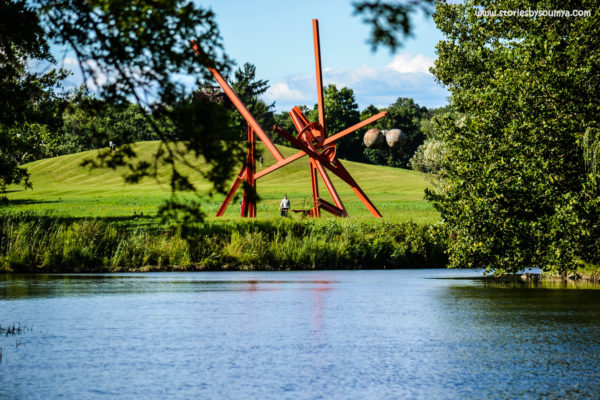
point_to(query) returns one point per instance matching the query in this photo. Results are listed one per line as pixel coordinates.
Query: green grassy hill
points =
(62, 187)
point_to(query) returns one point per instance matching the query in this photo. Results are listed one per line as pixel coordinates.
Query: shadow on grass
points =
(19, 202)
(126, 221)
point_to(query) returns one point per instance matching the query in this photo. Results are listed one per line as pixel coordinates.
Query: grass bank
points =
(62, 187)
(30, 243)
(80, 220)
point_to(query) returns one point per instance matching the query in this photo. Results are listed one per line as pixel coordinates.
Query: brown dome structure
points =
(374, 139)
(377, 139)
(395, 138)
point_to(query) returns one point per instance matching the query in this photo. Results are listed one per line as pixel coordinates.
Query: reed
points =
(13, 330)
(30, 243)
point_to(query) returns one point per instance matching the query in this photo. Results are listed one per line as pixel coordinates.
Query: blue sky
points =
(276, 36)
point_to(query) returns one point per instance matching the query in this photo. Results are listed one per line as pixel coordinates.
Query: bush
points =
(45, 244)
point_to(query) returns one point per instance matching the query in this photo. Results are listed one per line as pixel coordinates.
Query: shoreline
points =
(570, 279)
(43, 245)
(54, 245)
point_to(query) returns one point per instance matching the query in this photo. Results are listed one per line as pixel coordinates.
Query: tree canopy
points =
(249, 89)
(405, 115)
(28, 107)
(341, 112)
(128, 52)
(518, 188)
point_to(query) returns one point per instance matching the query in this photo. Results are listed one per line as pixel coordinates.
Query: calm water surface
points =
(296, 335)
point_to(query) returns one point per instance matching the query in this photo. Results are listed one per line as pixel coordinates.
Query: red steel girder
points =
(312, 140)
(232, 190)
(327, 141)
(330, 188)
(248, 208)
(320, 103)
(337, 168)
(330, 208)
(241, 108)
(315, 189)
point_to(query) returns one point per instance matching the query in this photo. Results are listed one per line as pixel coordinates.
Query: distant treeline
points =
(49, 244)
(80, 122)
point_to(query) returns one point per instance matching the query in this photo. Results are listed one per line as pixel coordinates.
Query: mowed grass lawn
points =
(62, 187)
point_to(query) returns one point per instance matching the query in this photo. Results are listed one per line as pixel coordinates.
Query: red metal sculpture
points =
(311, 140)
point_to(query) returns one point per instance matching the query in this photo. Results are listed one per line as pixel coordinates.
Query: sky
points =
(276, 36)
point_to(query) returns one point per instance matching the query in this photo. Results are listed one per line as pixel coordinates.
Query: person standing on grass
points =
(284, 207)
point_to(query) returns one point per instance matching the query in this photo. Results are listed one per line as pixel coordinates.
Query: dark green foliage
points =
(90, 123)
(283, 120)
(21, 40)
(29, 106)
(46, 244)
(249, 89)
(405, 115)
(134, 52)
(341, 112)
(517, 191)
(389, 20)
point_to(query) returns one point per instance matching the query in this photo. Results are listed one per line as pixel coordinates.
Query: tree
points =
(29, 101)
(90, 123)
(134, 52)
(341, 112)
(405, 115)
(390, 20)
(519, 189)
(429, 156)
(249, 89)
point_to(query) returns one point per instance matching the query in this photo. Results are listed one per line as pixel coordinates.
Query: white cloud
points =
(406, 63)
(96, 76)
(281, 91)
(70, 61)
(405, 76)
(99, 76)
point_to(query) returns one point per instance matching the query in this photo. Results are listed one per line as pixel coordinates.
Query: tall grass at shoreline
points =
(52, 244)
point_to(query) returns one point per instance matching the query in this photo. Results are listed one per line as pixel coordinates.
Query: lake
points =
(384, 334)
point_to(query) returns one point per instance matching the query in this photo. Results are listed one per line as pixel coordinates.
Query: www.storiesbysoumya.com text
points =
(533, 13)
